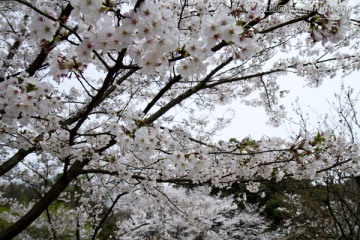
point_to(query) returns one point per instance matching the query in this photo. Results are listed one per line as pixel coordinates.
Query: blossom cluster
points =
(23, 98)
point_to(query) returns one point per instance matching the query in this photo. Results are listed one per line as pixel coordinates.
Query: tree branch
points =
(14, 160)
(44, 202)
(186, 94)
(288, 23)
(98, 227)
(161, 93)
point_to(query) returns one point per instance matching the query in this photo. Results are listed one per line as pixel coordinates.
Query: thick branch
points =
(139, 177)
(44, 202)
(95, 101)
(161, 93)
(222, 81)
(137, 4)
(15, 159)
(186, 94)
(288, 23)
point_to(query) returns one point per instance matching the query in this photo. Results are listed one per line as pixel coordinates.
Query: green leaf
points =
(30, 87)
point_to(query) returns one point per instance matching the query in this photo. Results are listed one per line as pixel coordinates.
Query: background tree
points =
(91, 91)
(333, 199)
(325, 211)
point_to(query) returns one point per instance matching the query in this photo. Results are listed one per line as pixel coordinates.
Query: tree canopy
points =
(105, 111)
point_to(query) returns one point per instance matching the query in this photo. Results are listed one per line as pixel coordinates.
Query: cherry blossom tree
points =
(112, 99)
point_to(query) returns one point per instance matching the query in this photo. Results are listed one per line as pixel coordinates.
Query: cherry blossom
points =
(107, 110)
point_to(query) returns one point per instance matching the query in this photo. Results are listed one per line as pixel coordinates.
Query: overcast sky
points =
(313, 101)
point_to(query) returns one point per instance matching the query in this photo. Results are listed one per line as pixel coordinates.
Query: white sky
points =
(251, 121)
